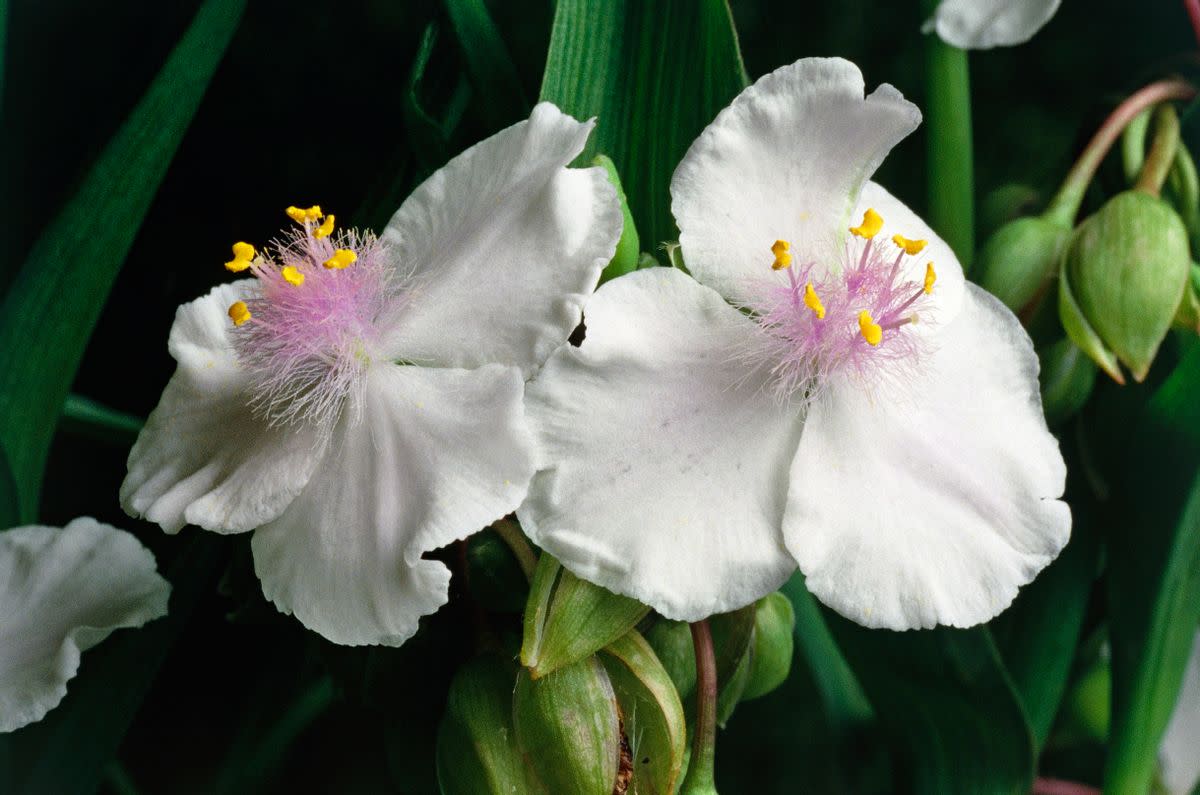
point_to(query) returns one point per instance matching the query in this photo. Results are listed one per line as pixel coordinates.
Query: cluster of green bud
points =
(603, 698)
(1124, 276)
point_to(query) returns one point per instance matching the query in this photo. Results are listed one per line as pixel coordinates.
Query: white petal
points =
(62, 592)
(1179, 753)
(981, 24)
(932, 507)
(664, 459)
(202, 458)
(439, 454)
(898, 219)
(504, 244)
(785, 161)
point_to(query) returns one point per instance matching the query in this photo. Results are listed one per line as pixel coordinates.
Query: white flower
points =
(360, 403)
(1179, 752)
(785, 404)
(983, 24)
(61, 593)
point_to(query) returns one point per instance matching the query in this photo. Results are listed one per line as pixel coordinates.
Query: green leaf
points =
(1154, 574)
(50, 310)
(68, 750)
(493, 74)
(1038, 644)
(429, 136)
(943, 695)
(655, 74)
(652, 712)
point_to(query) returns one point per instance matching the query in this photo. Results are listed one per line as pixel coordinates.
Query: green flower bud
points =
(1089, 704)
(568, 619)
(493, 574)
(568, 726)
(477, 753)
(1021, 257)
(1067, 379)
(672, 644)
(771, 658)
(653, 714)
(1007, 203)
(628, 252)
(1126, 268)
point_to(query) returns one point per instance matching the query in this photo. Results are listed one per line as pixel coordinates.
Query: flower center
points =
(855, 318)
(307, 337)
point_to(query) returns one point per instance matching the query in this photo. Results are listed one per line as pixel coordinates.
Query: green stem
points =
(510, 533)
(1065, 205)
(949, 162)
(86, 417)
(1162, 151)
(699, 779)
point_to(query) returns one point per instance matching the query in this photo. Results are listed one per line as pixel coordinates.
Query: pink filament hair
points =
(804, 351)
(307, 347)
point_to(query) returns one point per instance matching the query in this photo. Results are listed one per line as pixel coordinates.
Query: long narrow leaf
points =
(493, 74)
(50, 311)
(654, 73)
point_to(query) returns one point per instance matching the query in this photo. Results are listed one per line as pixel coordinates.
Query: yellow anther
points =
(813, 302)
(870, 330)
(325, 228)
(930, 278)
(314, 213)
(342, 258)
(872, 222)
(243, 255)
(291, 275)
(782, 258)
(238, 313)
(910, 247)
(296, 214)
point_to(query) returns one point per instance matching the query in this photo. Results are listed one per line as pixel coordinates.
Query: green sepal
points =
(652, 712)
(1080, 330)
(568, 619)
(1128, 265)
(1020, 258)
(569, 729)
(731, 690)
(733, 647)
(476, 750)
(1067, 378)
(625, 259)
(771, 659)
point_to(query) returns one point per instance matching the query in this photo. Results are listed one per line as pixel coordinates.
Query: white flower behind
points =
(983, 24)
(844, 401)
(1179, 752)
(360, 401)
(62, 591)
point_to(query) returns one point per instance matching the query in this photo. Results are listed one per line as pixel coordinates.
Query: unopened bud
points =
(672, 644)
(569, 728)
(1125, 270)
(1020, 258)
(1067, 377)
(771, 660)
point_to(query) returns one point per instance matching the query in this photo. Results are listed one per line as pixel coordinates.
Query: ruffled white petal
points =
(664, 459)
(981, 24)
(785, 161)
(504, 244)
(932, 506)
(898, 219)
(1179, 752)
(439, 454)
(202, 458)
(62, 592)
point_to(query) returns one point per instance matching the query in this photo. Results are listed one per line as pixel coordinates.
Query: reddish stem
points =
(1193, 9)
(1058, 786)
(699, 778)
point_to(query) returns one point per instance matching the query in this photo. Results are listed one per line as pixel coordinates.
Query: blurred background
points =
(327, 103)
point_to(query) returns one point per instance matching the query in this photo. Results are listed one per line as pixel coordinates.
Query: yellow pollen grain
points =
(243, 255)
(297, 214)
(291, 275)
(326, 227)
(870, 330)
(342, 258)
(911, 247)
(872, 222)
(782, 258)
(238, 313)
(930, 278)
(813, 302)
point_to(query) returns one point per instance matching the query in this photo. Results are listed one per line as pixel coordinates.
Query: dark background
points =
(307, 108)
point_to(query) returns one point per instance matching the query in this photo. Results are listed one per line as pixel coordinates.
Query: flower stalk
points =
(1162, 151)
(699, 779)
